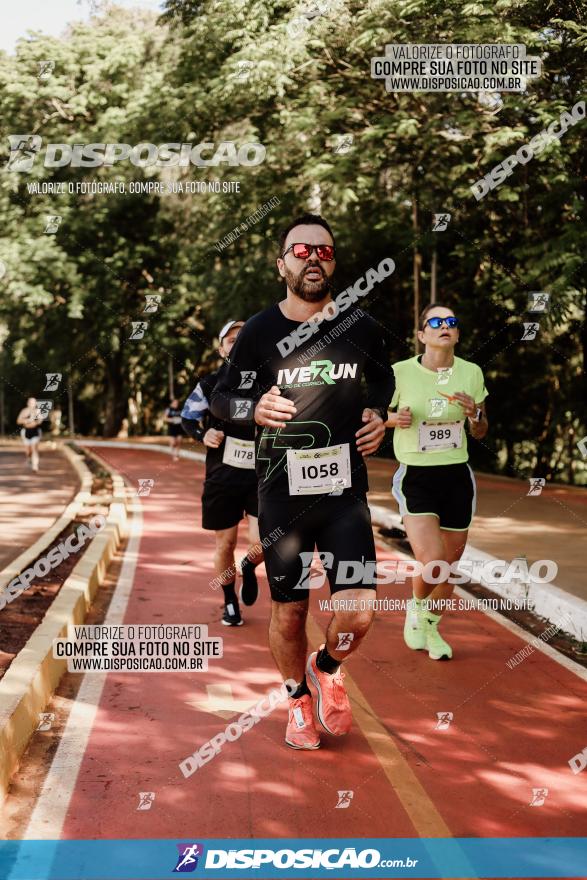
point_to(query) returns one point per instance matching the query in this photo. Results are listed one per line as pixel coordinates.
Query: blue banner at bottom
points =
(528, 857)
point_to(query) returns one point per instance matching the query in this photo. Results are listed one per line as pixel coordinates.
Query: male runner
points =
(31, 420)
(230, 487)
(315, 427)
(173, 420)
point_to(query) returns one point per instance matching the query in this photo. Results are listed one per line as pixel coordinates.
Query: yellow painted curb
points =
(34, 674)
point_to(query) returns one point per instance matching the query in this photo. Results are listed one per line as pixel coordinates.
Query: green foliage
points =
(224, 70)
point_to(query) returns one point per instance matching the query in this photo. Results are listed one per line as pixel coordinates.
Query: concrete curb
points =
(547, 600)
(21, 562)
(33, 676)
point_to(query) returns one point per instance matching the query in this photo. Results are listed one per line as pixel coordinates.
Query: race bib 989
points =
(437, 436)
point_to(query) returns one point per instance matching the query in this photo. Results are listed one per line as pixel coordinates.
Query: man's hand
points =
(213, 438)
(273, 410)
(371, 434)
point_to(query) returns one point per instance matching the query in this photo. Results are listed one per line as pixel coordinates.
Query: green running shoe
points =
(438, 649)
(414, 631)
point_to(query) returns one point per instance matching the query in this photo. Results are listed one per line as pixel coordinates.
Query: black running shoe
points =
(232, 615)
(249, 588)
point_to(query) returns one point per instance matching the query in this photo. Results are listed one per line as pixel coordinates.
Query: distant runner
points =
(434, 486)
(174, 428)
(230, 487)
(31, 420)
(315, 427)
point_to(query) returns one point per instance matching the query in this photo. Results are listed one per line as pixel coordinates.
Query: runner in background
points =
(436, 393)
(230, 486)
(30, 421)
(174, 428)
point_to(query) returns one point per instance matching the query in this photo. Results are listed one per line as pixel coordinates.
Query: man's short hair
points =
(303, 220)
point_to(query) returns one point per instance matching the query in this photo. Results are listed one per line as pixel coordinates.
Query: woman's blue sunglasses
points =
(435, 323)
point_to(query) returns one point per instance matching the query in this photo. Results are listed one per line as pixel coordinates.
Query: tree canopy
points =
(378, 165)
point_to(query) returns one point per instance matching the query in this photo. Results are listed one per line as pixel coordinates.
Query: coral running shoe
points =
(332, 706)
(301, 731)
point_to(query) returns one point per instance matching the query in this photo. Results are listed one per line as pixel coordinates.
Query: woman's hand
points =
(400, 419)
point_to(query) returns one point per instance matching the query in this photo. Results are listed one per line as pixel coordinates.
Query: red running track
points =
(513, 729)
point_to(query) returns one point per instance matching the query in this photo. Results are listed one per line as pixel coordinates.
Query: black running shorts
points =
(224, 505)
(339, 527)
(31, 435)
(447, 491)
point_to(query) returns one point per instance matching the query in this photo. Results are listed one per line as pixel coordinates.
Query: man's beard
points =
(309, 291)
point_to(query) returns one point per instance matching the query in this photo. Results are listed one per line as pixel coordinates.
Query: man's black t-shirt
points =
(196, 414)
(322, 376)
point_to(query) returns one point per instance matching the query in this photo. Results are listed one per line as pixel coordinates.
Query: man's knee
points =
(362, 622)
(289, 619)
(357, 623)
(225, 542)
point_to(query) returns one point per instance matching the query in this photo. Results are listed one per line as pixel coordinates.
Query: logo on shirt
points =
(275, 442)
(317, 373)
(247, 379)
(241, 409)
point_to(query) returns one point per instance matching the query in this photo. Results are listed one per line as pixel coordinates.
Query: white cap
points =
(227, 327)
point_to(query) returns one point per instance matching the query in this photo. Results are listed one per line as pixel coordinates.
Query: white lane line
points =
(48, 816)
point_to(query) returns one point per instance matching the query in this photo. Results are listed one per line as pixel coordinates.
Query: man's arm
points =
(380, 380)
(194, 411)
(28, 419)
(237, 389)
(379, 376)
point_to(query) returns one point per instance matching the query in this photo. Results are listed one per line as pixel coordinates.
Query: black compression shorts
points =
(338, 526)
(446, 491)
(224, 504)
(29, 434)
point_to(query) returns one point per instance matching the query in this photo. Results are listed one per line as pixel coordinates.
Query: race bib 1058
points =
(318, 471)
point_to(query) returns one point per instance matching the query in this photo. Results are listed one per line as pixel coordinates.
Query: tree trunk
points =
(116, 394)
(170, 377)
(417, 271)
(70, 412)
(583, 336)
(433, 273)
